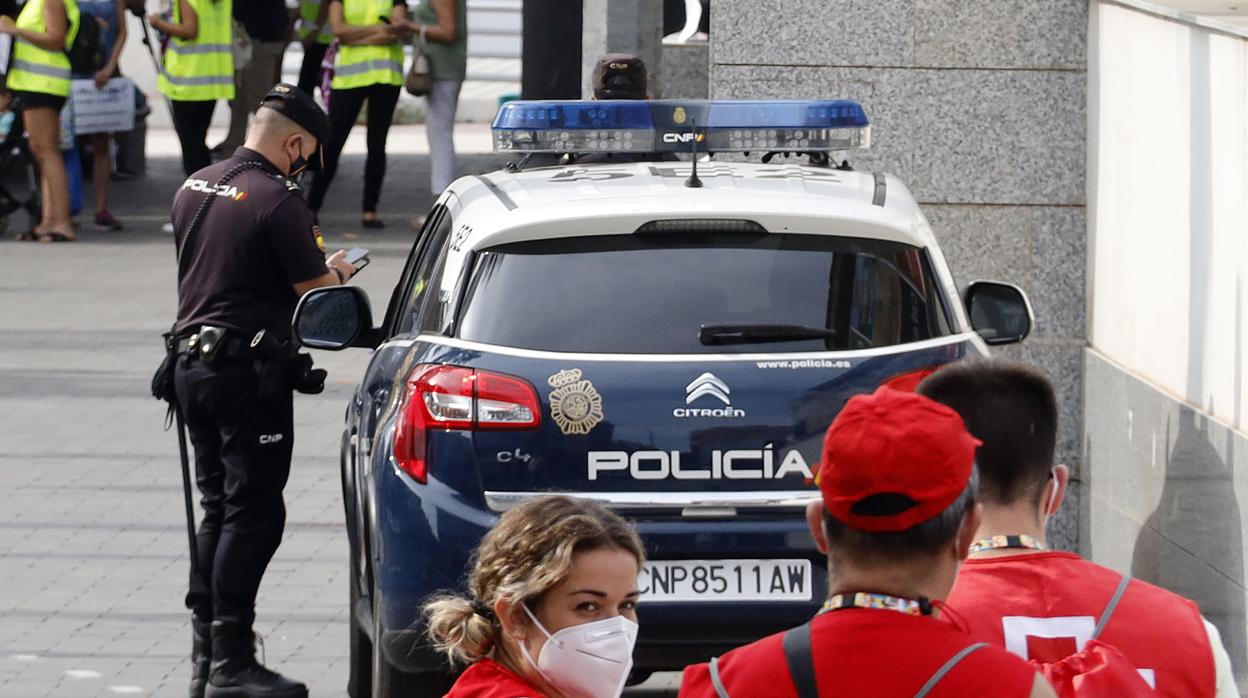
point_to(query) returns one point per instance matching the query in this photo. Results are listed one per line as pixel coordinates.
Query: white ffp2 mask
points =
(591, 660)
(1049, 510)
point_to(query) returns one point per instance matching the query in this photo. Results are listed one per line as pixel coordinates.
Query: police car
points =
(671, 338)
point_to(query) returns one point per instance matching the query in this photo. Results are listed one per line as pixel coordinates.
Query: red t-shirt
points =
(861, 653)
(489, 679)
(1045, 606)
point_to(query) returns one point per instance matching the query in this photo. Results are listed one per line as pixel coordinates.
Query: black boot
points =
(235, 671)
(201, 656)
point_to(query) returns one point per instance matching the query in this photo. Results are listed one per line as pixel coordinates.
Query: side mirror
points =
(1000, 313)
(333, 317)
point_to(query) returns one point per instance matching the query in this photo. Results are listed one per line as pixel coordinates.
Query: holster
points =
(162, 380)
(210, 341)
(281, 367)
(304, 378)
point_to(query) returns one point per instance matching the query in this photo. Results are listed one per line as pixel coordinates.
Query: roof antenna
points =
(693, 182)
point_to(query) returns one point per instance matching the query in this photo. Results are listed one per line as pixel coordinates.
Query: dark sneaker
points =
(105, 220)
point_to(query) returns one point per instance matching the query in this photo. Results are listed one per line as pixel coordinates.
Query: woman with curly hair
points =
(551, 605)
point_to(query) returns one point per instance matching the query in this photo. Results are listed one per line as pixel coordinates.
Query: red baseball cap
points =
(894, 443)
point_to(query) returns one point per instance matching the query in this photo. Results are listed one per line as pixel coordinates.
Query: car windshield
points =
(704, 293)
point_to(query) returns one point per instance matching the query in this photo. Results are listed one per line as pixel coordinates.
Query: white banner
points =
(107, 110)
(6, 45)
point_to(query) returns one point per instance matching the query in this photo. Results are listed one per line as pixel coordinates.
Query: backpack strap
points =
(948, 667)
(716, 682)
(797, 653)
(1111, 606)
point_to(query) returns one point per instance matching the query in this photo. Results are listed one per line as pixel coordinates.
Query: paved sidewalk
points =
(92, 539)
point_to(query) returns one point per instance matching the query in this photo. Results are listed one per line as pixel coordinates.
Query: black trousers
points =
(191, 121)
(310, 69)
(242, 461)
(344, 107)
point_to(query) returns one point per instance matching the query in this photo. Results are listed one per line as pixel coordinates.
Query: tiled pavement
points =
(92, 539)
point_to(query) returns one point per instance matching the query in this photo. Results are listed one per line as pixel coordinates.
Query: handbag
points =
(419, 78)
(242, 46)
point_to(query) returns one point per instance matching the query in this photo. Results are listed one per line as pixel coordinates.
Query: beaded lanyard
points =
(1024, 542)
(863, 599)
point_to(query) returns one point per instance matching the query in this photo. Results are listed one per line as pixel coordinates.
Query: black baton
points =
(191, 540)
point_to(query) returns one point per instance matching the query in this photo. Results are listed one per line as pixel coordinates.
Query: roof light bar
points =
(634, 126)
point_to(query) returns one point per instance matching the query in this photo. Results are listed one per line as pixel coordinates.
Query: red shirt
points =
(861, 653)
(489, 679)
(1044, 606)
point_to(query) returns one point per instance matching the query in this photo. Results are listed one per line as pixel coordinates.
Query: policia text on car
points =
(247, 249)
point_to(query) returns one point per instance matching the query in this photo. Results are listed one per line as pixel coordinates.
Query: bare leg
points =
(43, 126)
(45, 199)
(102, 169)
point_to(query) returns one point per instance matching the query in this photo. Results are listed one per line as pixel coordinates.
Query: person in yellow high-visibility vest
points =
(39, 80)
(368, 68)
(198, 70)
(315, 34)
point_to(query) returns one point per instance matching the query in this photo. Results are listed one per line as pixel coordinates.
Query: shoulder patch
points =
(320, 239)
(290, 184)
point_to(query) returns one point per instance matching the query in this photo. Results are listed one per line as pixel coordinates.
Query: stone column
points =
(624, 26)
(980, 108)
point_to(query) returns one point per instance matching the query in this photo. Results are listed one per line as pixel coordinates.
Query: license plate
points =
(725, 580)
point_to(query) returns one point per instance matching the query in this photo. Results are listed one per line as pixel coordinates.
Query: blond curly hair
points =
(527, 553)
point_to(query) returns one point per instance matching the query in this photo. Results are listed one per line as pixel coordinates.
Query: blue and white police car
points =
(668, 337)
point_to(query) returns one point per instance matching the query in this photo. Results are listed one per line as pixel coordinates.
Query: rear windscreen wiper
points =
(761, 334)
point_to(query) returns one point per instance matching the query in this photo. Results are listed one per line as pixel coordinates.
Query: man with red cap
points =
(1047, 605)
(897, 516)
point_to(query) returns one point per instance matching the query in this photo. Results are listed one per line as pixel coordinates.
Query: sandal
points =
(373, 223)
(56, 236)
(28, 236)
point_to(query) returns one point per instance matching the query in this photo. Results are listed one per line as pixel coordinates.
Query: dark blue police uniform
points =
(234, 382)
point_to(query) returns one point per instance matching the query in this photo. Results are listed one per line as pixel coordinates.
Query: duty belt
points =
(226, 346)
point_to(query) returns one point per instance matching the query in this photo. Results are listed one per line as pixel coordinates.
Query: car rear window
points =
(650, 294)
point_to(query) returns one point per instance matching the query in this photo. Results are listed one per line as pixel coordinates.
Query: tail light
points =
(456, 398)
(909, 381)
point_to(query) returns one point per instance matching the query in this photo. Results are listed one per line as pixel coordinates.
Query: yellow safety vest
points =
(37, 70)
(202, 69)
(309, 10)
(361, 66)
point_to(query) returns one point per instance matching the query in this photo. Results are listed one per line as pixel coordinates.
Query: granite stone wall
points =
(1166, 496)
(981, 109)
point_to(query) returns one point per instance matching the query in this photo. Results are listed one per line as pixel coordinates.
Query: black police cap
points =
(299, 107)
(619, 76)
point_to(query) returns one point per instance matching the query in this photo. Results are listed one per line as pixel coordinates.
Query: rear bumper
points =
(424, 536)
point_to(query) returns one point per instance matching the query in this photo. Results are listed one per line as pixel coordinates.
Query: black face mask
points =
(299, 164)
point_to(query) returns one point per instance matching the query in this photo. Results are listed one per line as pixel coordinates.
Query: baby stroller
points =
(19, 182)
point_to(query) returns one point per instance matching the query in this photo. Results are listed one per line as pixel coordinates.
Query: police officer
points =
(620, 76)
(896, 519)
(248, 249)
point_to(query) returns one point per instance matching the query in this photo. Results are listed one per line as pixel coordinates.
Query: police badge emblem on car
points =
(575, 404)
